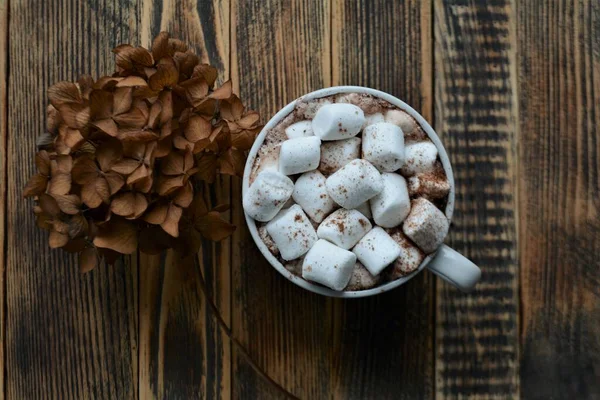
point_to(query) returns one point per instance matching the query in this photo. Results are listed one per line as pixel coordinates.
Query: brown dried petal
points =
(53, 118)
(122, 99)
(196, 90)
(62, 164)
(144, 185)
(85, 170)
(163, 147)
(89, 195)
(100, 104)
(249, 120)
(166, 76)
(171, 222)
(222, 93)
(153, 116)
(232, 109)
(140, 205)
(103, 189)
(75, 245)
(69, 204)
(71, 137)
(232, 162)
(126, 166)
(123, 204)
(49, 205)
(60, 227)
(42, 162)
(176, 45)
(56, 240)
(60, 184)
(157, 214)
(208, 72)
(137, 135)
(134, 118)
(115, 181)
(140, 173)
(168, 185)
(35, 186)
(173, 164)
(88, 260)
(207, 167)
(244, 140)
(213, 227)
(107, 126)
(160, 46)
(197, 129)
(118, 235)
(108, 153)
(207, 108)
(128, 56)
(166, 101)
(184, 196)
(131, 81)
(75, 115)
(78, 226)
(64, 92)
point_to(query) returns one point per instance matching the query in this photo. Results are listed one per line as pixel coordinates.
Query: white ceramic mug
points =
(445, 262)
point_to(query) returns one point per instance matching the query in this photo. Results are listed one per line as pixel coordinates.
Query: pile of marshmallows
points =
(364, 187)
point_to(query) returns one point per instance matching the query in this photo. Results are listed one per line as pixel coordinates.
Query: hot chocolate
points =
(348, 192)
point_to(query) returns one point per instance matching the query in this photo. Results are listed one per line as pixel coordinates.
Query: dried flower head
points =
(120, 164)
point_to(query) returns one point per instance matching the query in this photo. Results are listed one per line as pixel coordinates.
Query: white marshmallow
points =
(328, 265)
(310, 193)
(338, 121)
(401, 119)
(362, 279)
(299, 155)
(420, 158)
(392, 204)
(344, 228)
(383, 146)
(292, 232)
(365, 209)
(373, 119)
(299, 129)
(431, 186)
(267, 195)
(354, 183)
(334, 155)
(376, 250)
(410, 255)
(426, 225)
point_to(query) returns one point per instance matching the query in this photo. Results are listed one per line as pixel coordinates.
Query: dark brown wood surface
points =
(511, 87)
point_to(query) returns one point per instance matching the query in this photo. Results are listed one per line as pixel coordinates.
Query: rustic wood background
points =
(511, 86)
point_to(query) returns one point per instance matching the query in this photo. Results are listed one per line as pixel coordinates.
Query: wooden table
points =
(513, 89)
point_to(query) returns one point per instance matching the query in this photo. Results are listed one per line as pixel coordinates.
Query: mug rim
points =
(284, 112)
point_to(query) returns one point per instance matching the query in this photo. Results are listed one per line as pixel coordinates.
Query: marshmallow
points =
(328, 265)
(383, 146)
(420, 158)
(362, 279)
(299, 155)
(344, 228)
(373, 119)
(267, 195)
(334, 155)
(264, 236)
(392, 204)
(432, 186)
(410, 255)
(292, 232)
(426, 225)
(311, 195)
(401, 119)
(354, 183)
(365, 209)
(376, 250)
(338, 121)
(299, 129)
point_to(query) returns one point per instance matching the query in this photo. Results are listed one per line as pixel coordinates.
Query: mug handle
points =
(455, 269)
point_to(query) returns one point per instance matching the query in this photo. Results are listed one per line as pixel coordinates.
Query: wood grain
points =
(559, 207)
(3, 177)
(183, 352)
(383, 344)
(67, 335)
(477, 351)
(280, 50)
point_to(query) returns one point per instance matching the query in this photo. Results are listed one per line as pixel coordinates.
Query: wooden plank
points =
(183, 352)
(475, 84)
(383, 344)
(67, 335)
(3, 176)
(280, 50)
(559, 115)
